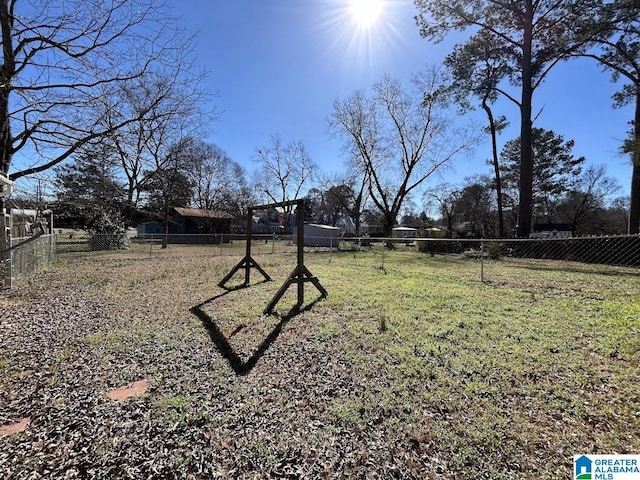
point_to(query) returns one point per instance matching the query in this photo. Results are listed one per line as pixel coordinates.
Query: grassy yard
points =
(411, 368)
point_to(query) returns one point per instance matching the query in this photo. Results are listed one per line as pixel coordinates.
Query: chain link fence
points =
(152, 246)
(490, 260)
(27, 256)
(5, 271)
(623, 250)
(620, 250)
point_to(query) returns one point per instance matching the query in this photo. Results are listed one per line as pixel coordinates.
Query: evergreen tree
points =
(530, 38)
(618, 50)
(86, 186)
(554, 170)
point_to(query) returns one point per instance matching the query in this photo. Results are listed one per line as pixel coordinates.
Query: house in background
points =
(146, 229)
(404, 232)
(551, 230)
(25, 222)
(189, 221)
(347, 226)
(273, 220)
(196, 221)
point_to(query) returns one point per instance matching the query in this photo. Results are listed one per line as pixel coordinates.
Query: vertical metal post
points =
(151, 247)
(5, 244)
(52, 240)
(273, 243)
(247, 267)
(300, 234)
(482, 261)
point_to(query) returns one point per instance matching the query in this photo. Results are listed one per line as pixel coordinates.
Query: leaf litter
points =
(310, 406)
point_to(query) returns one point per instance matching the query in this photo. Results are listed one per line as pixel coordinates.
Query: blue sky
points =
(278, 66)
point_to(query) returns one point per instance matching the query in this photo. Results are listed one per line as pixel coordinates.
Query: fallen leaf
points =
(134, 389)
(14, 427)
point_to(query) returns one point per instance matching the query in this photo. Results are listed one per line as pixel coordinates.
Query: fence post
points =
(52, 239)
(151, 247)
(330, 248)
(273, 243)
(5, 244)
(482, 261)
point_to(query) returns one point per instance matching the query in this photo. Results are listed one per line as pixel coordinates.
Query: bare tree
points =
(587, 196)
(344, 194)
(350, 195)
(168, 185)
(618, 215)
(217, 181)
(475, 205)
(445, 199)
(165, 104)
(61, 60)
(401, 137)
(283, 170)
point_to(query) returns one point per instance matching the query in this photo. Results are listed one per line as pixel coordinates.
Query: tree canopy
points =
(399, 137)
(529, 37)
(283, 170)
(64, 63)
(554, 169)
(617, 48)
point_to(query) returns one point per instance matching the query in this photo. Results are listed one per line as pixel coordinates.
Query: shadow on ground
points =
(238, 365)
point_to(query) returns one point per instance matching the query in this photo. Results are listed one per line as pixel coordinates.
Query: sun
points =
(365, 12)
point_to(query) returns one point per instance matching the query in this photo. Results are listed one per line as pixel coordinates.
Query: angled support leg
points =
(300, 281)
(246, 263)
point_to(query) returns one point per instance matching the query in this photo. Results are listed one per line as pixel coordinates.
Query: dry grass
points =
(412, 368)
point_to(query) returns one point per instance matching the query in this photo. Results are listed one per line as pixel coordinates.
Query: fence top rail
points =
(21, 241)
(476, 240)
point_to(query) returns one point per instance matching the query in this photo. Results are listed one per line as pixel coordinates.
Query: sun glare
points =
(365, 12)
(361, 34)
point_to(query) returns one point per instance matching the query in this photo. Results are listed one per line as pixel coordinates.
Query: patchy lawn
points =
(412, 368)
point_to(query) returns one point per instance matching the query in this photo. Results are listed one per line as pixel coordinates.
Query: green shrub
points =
(108, 231)
(493, 250)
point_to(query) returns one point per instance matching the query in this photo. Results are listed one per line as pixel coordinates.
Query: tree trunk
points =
(356, 212)
(634, 208)
(389, 222)
(526, 143)
(7, 72)
(165, 238)
(5, 132)
(496, 167)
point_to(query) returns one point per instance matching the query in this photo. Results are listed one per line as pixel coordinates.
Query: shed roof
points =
(199, 213)
(548, 227)
(404, 229)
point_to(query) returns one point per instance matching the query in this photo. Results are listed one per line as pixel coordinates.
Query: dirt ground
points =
(144, 368)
